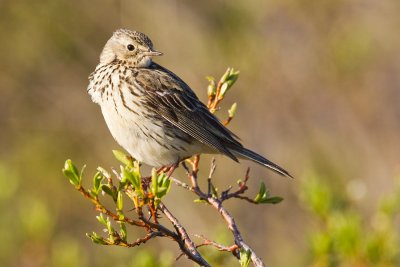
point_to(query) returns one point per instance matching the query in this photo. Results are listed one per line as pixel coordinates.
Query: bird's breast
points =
(143, 134)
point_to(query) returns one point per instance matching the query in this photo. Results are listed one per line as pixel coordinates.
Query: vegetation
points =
(344, 237)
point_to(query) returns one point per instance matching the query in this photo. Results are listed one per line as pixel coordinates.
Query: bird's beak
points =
(153, 53)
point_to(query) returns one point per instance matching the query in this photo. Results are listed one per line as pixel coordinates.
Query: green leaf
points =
(124, 233)
(164, 185)
(123, 158)
(167, 183)
(232, 110)
(106, 189)
(160, 185)
(71, 172)
(163, 180)
(97, 179)
(224, 89)
(162, 191)
(225, 76)
(272, 200)
(96, 238)
(227, 80)
(109, 226)
(262, 193)
(101, 219)
(137, 177)
(127, 175)
(124, 178)
(263, 196)
(245, 256)
(211, 88)
(72, 178)
(119, 200)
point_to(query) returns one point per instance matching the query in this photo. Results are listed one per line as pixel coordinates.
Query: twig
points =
(140, 241)
(217, 204)
(244, 198)
(192, 177)
(215, 100)
(237, 194)
(100, 207)
(234, 249)
(235, 231)
(189, 245)
(181, 184)
(212, 169)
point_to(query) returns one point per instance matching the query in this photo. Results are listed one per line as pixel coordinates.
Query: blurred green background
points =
(318, 93)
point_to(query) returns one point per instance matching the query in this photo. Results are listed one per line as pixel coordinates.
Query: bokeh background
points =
(318, 93)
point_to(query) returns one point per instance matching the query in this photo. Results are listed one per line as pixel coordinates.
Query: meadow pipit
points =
(152, 113)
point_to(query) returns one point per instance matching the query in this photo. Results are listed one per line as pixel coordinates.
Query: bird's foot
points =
(172, 169)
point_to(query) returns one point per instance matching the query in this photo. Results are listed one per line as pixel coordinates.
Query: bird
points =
(152, 113)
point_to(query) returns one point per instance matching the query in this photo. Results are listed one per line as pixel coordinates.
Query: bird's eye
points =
(130, 47)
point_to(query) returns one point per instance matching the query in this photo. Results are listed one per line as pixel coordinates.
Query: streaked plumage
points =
(152, 113)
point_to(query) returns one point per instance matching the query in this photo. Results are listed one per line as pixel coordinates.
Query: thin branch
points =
(181, 184)
(246, 199)
(227, 121)
(234, 249)
(189, 245)
(235, 231)
(217, 204)
(100, 207)
(140, 241)
(237, 194)
(212, 168)
(192, 177)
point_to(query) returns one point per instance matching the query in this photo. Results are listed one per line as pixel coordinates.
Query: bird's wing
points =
(167, 95)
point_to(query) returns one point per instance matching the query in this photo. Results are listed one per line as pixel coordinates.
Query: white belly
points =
(141, 144)
(127, 133)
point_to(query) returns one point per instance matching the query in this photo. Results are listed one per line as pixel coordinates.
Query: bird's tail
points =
(246, 153)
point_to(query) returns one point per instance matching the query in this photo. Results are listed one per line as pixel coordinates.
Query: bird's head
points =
(135, 48)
